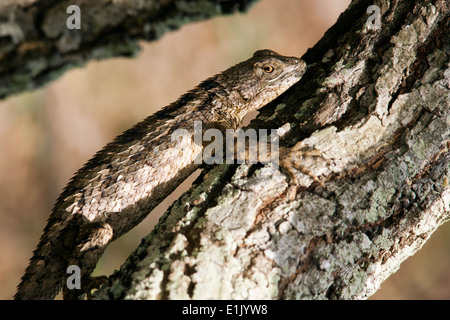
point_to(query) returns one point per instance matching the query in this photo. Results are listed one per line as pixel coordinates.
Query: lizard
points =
(116, 189)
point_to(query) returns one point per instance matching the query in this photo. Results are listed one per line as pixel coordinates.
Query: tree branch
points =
(36, 46)
(375, 102)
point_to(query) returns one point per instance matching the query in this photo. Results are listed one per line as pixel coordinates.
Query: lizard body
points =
(130, 176)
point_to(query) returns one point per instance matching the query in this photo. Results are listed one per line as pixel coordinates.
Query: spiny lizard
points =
(130, 176)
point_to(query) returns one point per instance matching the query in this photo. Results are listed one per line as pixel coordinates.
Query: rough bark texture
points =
(36, 46)
(375, 102)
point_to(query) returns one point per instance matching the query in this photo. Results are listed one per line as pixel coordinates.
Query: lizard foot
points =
(92, 283)
(294, 159)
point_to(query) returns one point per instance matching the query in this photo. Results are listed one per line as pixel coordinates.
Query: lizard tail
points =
(63, 244)
(43, 277)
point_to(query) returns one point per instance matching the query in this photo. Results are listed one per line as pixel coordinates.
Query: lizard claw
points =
(94, 284)
(291, 161)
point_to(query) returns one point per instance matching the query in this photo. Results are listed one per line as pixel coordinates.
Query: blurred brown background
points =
(47, 134)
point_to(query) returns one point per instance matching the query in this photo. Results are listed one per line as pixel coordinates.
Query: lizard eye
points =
(268, 69)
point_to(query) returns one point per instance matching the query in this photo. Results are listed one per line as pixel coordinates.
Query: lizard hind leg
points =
(93, 240)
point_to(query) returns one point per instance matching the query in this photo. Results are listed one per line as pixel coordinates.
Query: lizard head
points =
(274, 74)
(257, 81)
(271, 67)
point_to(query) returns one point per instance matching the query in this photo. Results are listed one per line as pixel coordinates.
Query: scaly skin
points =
(130, 176)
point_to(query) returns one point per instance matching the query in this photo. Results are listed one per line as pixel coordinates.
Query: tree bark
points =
(37, 46)
(375, 103)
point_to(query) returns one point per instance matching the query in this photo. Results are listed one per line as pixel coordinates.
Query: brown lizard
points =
(130, 176)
